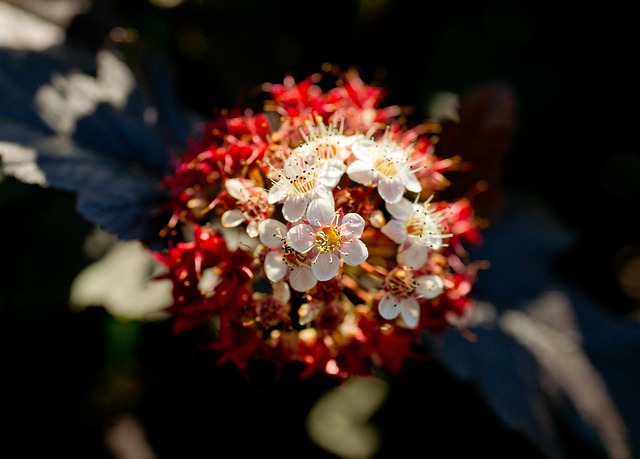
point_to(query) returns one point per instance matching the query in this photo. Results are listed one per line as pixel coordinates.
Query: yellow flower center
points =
(328, 239)
(326, 151)
(416, 226)
(302, 184)
(422, 229)
(385, 167)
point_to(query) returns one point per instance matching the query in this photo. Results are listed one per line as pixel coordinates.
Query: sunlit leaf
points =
(545, 354)
(82, 120)
(123, 282)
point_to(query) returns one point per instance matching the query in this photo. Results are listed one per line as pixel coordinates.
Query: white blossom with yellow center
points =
(384, 164)
(329, 239)
(403, 290)
(251, 206)
(416, 229)
(329, 146)
(281, 262)
(298, 184)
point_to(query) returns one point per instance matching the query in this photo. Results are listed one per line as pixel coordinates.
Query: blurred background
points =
(82, 383)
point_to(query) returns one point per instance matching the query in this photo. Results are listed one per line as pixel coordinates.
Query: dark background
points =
(573, 69)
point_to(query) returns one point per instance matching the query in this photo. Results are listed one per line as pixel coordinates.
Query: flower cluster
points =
(310, 232)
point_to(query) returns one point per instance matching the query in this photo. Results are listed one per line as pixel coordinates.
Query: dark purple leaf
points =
(79, 119)
(546, 354)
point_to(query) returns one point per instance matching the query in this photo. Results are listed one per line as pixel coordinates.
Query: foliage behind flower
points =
(311, 232)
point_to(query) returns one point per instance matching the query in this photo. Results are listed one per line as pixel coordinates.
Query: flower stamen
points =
(385, 167)
(328, 239)
(401, 283)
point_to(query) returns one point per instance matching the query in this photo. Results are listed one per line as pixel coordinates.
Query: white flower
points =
(299, 183)
(407, 308)
(281, 261)
(281, 292)
(386, 165)
(429, 286)
(399, 298)
(329, 147)
(402, 293)
(416, 229)
(209, 280)
(253, 206)
(308, 312)
(330, 238)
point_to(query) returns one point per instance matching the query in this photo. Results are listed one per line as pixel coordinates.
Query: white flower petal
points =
(361, 172)
(391, 190)
(271, 232)
(302, 279)
(308, 312)
(395, 230)
(410, 312)
(389, 307)
(252, 228)
(305, 152)
(354, 224)
(208, 281)
(411, 182)
(401, 209)
(429, 287)
(274, 267)
(355, 252)
(294, 208)
(232, 237)
(414, 256)
(432, 241)
(347, 141)
(326, 266)
(301, 238)
(277, 193)
(365, 149)
(330, 172)
(232, 218)
(236, 189)
(281, 292)
(322, 192)
(320, 212)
